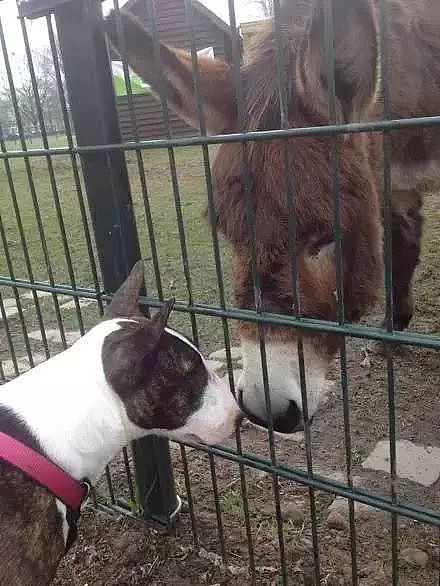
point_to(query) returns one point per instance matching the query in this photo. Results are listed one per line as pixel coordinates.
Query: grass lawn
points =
(198, 237)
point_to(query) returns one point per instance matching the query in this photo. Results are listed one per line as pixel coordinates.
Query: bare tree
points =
(7, 124)
(266, 6)
(48, 96)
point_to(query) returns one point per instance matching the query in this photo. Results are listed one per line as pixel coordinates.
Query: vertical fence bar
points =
(189, 495)
(215, 244)
(8, 259)
(258, 296)
(290, 197)
(145, 194)
(139, 158)
(388, 259)
(10, 342)
(73, 160)
(151, 11)
(334, 156)
(93, 106)
(15, 201)
(236, 59)
(52, 179)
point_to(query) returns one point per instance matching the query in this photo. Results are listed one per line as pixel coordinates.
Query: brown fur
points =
(32, 542)
(170, 71)
(29, 517)
(414, 83)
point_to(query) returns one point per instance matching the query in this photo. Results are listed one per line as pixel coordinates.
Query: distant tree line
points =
(47, 91)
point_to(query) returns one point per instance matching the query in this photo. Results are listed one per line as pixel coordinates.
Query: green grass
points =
(198, 236)
(37, 143)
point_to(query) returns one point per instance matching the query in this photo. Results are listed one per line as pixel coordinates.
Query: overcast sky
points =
(38, 33)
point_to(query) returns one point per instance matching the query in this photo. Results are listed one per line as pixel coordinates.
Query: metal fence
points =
(97, 160)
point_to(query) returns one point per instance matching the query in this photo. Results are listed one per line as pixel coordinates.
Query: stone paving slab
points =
(22, 363)
(221, 354)
(54, 336)
(43, 294)
(420, 464)
(215, 364)
(82, 303)
(10, 302)
(11, 311)
(40, 294)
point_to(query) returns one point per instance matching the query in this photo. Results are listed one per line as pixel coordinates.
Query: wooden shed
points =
(170, 18)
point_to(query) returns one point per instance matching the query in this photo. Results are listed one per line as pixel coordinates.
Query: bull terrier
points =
(62, 422)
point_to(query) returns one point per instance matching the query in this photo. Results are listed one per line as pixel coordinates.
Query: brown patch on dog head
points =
(159, 376)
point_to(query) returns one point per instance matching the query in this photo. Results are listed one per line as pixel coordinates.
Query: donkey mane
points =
(261, 80)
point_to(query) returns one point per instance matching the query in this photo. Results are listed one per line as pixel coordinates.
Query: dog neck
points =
(79, 421)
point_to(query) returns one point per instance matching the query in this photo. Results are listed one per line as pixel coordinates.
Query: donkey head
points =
(307, 167)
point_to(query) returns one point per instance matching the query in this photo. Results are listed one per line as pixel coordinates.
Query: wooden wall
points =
(171, 28)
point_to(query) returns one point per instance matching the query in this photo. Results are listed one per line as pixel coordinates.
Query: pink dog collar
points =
(37, 467)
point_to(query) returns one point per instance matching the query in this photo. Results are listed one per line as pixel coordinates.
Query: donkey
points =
(414, 55)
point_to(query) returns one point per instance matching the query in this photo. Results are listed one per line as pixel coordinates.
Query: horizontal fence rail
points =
(355, 331)
(249, 136)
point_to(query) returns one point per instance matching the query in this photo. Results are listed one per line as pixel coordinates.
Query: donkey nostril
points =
(290, 421)
(239, 418)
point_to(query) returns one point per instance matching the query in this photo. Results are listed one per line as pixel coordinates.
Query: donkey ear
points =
(175, 75)
(125, 302)
(356, 58)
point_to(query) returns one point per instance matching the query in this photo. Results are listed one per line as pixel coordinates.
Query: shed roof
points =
(201, 8)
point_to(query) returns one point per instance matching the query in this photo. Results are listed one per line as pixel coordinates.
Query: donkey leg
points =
(406, 241)
(406, 234)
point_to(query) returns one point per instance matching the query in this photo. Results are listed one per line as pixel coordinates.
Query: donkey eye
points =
(317, 244)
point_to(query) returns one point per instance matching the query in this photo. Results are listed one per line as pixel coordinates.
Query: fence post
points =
(92, 100)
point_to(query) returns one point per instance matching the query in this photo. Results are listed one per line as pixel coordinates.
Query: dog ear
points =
(125, 302)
